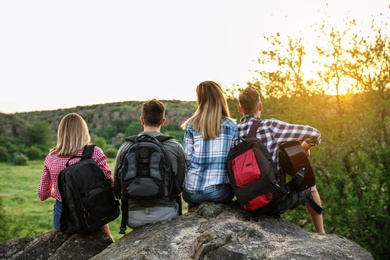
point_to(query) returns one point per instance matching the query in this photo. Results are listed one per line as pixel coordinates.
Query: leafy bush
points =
(19, 159)
(100, 141)
(111, 152)
(39, 133)
(34, 153)
(4, 155)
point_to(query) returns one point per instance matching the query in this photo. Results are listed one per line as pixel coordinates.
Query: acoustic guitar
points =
(294, 162)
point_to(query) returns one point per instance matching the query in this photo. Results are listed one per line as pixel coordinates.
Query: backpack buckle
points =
(282, 188)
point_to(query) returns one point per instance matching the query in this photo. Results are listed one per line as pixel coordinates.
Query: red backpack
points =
(253, 176)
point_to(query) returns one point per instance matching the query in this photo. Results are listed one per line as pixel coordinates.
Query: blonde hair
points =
(212, 106)
(249, 100)
(72, 135)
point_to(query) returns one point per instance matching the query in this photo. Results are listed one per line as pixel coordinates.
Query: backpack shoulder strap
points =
(131, 138)
(162, 138)
(87, 152)
(65, 211)
(125, 214)
(309, 199)
(273, 178)
(252, 131)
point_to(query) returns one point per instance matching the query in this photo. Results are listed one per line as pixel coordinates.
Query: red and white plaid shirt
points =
(54, 164)
(273, 133)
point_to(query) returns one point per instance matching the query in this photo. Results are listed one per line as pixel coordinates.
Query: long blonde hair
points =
(212, 106)
(72, 135)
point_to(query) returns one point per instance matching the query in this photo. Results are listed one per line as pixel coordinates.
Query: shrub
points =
(111, 152)
(4, 155)
(100, 141)
(34, 153)
(19, 159)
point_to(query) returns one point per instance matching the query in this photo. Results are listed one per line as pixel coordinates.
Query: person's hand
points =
(306, 147)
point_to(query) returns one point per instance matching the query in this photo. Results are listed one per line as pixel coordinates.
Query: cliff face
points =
(96, 116)
(11, 126)
(210, 231)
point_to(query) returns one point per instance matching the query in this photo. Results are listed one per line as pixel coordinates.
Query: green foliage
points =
(120, 126)
(115, 127)
(4, 218)
(351, 164)
(39, 133)
(19, 159)
(4, 155)
(175, 131)
(232, 104)
(100, 141)
(10, 146)
(134, 128)
(35, 153)
(110, 152)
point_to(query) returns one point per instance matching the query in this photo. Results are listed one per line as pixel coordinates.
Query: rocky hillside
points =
(97, 116)
(12, 126)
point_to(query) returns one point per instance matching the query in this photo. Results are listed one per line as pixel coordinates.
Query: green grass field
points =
(25, 214)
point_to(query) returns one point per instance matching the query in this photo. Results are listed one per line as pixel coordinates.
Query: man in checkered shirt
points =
(273, 133)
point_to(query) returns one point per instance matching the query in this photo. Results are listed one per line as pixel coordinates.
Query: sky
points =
(62, 54)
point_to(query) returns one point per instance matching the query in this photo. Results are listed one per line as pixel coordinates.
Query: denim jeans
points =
(57, 217)
(222, 194)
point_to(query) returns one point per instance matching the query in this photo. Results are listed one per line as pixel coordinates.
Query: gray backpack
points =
(145, 172)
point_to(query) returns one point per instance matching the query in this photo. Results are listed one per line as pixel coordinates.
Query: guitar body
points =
(294, 162)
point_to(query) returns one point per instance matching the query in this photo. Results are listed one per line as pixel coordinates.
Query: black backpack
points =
(145, 172)
(253, 176)
(256, 182)
(88, 200)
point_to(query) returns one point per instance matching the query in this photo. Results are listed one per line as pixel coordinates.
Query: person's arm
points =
(45, 185)
(101, 160)
(181, 168)
(188, 144)
(285, 132)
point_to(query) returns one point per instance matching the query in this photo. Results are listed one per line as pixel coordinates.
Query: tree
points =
(40, 133)
(134, 128)
(351, 164)
(100, 141)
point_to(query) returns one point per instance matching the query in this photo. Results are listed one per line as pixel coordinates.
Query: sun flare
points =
(342, 87)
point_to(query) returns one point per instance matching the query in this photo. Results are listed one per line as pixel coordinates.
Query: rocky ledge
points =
(210, 231)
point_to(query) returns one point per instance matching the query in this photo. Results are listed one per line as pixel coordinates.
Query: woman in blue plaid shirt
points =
(208, 137)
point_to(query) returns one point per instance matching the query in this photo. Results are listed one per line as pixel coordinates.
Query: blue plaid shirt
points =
(206, 158)
(273, 133)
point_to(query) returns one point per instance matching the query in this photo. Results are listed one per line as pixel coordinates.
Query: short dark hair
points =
(249, 100)
(153, 112)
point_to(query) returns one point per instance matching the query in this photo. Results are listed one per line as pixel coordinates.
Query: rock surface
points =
(210, 231)
(55, 245)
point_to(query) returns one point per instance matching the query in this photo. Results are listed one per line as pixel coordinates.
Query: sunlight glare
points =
(343, 87)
